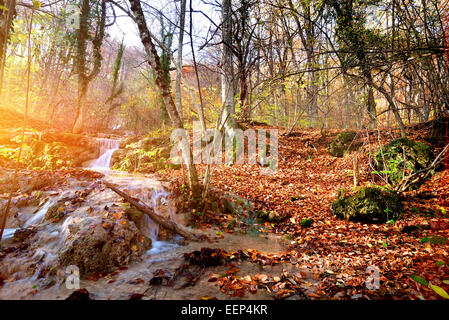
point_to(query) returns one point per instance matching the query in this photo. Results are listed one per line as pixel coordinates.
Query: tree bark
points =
(182, 19)
(154, 62)
(81, 64)
(227, 77)
(6, 18)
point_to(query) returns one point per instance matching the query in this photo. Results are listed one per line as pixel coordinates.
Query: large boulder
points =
(369, 205)
(400, 158)
(98, 244)
(343, 143)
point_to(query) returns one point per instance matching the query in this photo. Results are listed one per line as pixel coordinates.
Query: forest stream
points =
(35, 271)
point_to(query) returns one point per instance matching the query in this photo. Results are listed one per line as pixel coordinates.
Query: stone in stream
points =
(369, 205)
(56, 212)
(22, 234)
(97, 245)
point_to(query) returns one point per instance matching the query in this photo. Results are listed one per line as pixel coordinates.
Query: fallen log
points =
(164, 222)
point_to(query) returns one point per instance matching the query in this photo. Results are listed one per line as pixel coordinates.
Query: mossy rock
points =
(369, 205)
(146, 154)
(56, 212)
(271, 216)
(342, 144)
(22, 234)
(305, 223)
(402, 157)
(97, 245)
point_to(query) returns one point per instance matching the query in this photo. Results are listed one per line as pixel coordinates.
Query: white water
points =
(147, 190)
(38, 217)
(8, 233)
(50, 238)
(107, 148)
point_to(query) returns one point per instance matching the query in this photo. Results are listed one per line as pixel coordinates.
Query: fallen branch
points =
(164, 222)
(421, 174)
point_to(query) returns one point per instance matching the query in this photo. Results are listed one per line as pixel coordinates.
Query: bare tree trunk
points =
(227, 78)
(155, 64)
(6, 17)
(182, 20)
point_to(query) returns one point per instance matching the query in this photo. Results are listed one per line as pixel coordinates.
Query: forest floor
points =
(280, 259)
(339, 251)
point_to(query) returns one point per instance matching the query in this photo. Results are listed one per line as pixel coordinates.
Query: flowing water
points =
(24, 270)
(107, 148)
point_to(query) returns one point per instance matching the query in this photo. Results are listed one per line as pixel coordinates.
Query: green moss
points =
(402, 157)
(146, 154)
(369, 205)
(342, 144)
(54, 155)
(305, 223)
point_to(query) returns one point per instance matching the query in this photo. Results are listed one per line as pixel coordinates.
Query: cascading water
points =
(38, 217)
(107, 148)
(139, 187)
(151, 193)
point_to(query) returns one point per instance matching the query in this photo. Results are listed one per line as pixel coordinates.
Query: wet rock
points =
(46, 283)
(23, 234)
(134, 215)
(343, 143)
(56, 212)
(79, 295)
(28, 185)
(137, 217)
(136, 296)
(100, 245)
(27, 201)
(402, 157)
(206, 257)
(369, 205)
(161, 277)
(13, 219)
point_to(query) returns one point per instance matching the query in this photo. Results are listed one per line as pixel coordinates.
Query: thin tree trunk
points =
(227, 78)
(155, 64)
(4, 217)
(182, 20)
(81, 64)
(6, 16)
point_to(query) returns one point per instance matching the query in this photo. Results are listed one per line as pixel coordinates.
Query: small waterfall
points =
(38, 217)
(157, 199)
(107, 148)
(8, 233)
